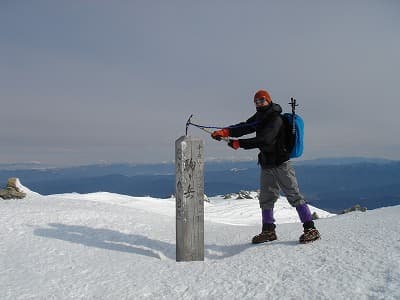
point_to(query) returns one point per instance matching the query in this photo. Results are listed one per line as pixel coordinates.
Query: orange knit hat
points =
(263, 94)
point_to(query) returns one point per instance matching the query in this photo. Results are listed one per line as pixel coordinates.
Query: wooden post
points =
(189, 194)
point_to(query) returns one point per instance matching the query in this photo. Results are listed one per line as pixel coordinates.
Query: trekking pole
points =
(293, 104)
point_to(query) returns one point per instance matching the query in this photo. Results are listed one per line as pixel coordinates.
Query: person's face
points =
(261, 102)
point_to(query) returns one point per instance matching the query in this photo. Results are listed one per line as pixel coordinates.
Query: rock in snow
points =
(12, 190)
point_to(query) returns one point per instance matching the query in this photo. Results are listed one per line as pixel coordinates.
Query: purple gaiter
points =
(268, 216)
(304, 213)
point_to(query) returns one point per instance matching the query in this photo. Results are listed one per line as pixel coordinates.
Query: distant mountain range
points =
(330, 184)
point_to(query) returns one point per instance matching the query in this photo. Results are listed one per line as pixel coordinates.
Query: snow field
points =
(107, 246)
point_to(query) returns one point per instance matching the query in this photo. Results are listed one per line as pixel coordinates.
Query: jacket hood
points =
(272, 108)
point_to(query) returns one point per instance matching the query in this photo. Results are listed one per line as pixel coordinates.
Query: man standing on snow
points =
(277, 172)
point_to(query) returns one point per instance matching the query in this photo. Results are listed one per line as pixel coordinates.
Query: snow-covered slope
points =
(219, 210)
(108, 246)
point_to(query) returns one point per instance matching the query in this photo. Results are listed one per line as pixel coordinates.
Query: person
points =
(276, 172)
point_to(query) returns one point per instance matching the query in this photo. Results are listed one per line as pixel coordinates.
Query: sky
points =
(86, 82)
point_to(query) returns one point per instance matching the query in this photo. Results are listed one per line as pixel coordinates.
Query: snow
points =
(24, 189)
(109, 246)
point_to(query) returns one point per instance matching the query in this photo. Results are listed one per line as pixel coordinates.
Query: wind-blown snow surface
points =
(107, 246)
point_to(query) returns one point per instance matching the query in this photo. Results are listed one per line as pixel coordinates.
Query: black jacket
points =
(267, 123)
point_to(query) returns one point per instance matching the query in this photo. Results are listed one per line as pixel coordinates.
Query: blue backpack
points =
(294, 134)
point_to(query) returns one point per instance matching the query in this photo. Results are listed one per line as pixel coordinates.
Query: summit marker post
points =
(189, 195)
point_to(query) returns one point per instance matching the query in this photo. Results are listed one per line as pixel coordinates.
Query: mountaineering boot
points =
(267, 234)
(310, 234)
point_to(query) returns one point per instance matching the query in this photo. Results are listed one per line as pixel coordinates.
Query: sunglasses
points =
(259, 101)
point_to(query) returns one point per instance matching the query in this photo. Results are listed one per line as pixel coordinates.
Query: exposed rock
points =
(206, 199)
(356, 207)
(315, 216)
(245, 195)
(242, 195)
(12, 191)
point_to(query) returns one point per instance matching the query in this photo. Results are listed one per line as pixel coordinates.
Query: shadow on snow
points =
(130, 243)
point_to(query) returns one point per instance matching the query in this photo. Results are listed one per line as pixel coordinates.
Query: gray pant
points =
(272, 180)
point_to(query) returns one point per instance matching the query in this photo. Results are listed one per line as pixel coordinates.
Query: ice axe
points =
(189, 122)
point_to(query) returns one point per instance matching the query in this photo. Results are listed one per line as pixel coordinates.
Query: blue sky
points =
(115, 81)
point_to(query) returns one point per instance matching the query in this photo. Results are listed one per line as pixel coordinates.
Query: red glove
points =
(218, 134)
(235, 144)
